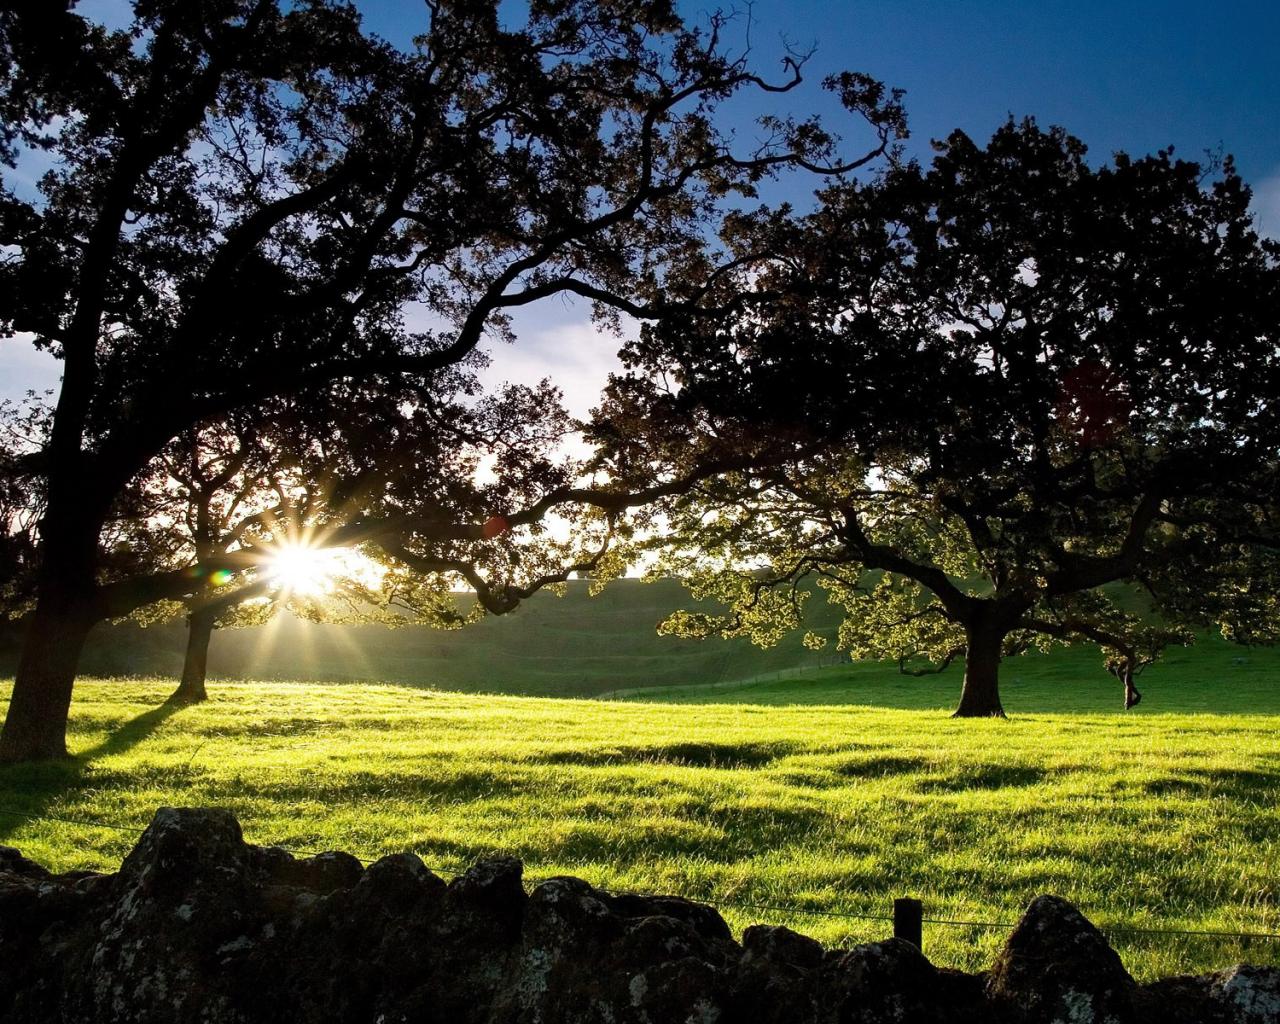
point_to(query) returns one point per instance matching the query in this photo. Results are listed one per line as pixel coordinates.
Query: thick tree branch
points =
(1085, 573)
(958, 604)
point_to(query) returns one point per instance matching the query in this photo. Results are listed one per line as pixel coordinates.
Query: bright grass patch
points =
(777, 794)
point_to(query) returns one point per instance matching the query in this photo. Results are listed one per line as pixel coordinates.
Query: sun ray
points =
(263, 649)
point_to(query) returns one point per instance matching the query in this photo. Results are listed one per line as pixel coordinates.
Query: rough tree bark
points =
(980, 695)
(200, 626)
(36, 724)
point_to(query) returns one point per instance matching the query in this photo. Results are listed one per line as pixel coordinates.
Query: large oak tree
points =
(251, 200)
(979, 392)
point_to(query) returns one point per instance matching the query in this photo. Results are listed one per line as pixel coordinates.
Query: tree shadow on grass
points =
(1241, 786)
(28, 791)
(690, 755)
(964, 777)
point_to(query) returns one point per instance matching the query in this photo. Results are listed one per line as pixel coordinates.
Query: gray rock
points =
(888, 982)
(1180, 1000)
(1243, 994)
(589, 956)
(775, 944)
(1057, 968)
(1247, 994)
(322, 874)
(184, 908)
(776, 981)
(12, 861)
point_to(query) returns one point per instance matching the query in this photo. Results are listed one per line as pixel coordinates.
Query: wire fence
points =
(729, 903)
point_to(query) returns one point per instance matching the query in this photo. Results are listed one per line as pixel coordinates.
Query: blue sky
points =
(1125, 75)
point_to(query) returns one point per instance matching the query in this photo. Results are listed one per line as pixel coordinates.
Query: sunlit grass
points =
(1154, 820)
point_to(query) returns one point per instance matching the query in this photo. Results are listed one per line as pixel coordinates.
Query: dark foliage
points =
(978, 392)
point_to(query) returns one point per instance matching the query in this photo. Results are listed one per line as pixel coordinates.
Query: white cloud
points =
(23, 368)
(573, 353)
(554, 339)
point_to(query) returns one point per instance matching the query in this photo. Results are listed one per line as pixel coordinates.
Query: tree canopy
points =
(976, 393)
(251, 202)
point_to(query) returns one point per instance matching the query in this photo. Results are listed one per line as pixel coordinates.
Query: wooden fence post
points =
(908, 915)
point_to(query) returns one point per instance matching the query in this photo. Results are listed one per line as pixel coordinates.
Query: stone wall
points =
(198, 926)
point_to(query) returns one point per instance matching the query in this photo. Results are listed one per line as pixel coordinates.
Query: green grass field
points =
(780, 801)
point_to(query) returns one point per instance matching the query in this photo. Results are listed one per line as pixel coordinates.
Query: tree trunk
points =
(980, 697)
(1131, 694)
(66, 609)
(200, 625)
(36, 725)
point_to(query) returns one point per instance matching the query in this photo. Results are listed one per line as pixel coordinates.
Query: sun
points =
(304, 570)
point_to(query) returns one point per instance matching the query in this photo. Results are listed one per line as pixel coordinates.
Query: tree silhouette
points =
(978, 393)
(250, 201)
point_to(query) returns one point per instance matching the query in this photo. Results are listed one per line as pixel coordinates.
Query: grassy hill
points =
(574, 645)
(788, 801)
(1212, 676)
